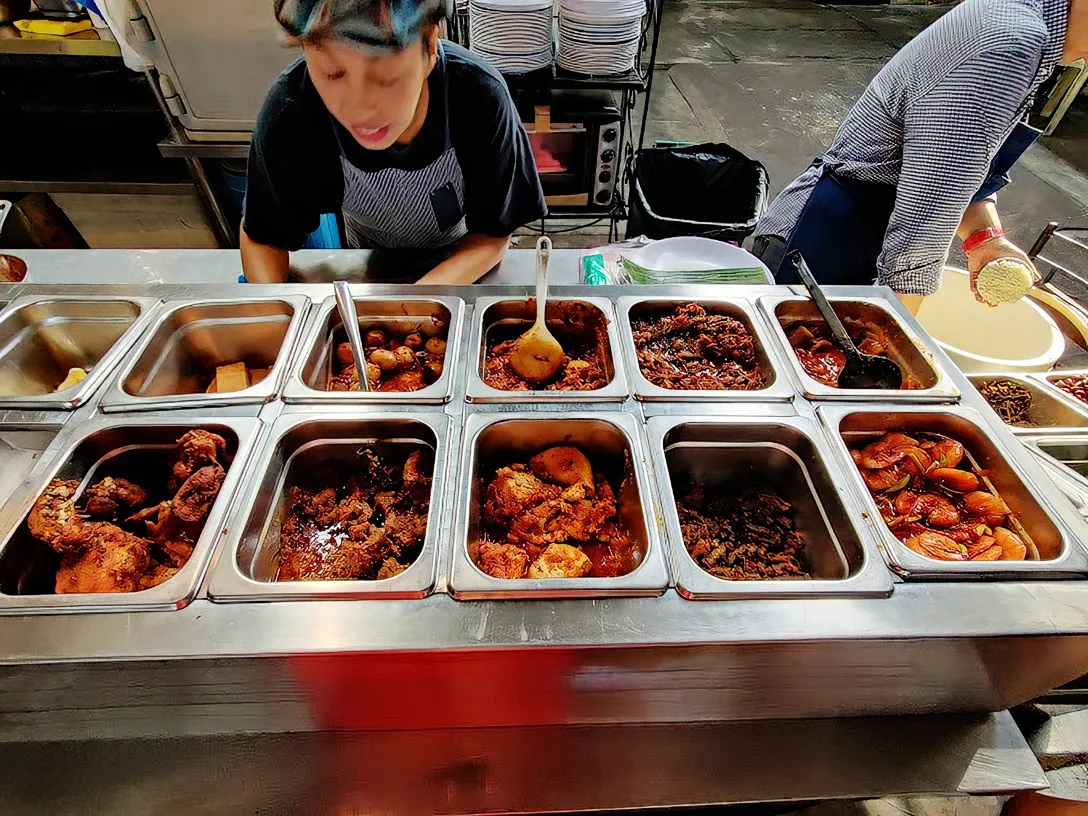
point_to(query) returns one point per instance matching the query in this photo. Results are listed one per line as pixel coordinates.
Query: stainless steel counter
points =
(763, 676)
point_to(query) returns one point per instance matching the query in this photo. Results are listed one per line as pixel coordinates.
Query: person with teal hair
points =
(411, 139)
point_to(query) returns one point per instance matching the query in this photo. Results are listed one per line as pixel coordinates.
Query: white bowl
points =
(979, 338)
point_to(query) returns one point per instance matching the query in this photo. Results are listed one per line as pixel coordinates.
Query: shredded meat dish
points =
(119, 536)
(369, 525)
(742, 532)
(405, 363)
(691, 349)
(824, 361)
(552, 517)
(581, 330)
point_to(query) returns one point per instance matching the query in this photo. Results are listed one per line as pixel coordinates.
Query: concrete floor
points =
(774, 78)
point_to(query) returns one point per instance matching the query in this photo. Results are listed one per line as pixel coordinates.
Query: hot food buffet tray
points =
(653, 445)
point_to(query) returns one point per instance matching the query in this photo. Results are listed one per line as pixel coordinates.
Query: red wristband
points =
(977, 239)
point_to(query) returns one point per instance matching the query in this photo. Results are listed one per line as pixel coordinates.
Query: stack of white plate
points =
(599, 36)
(513, 35)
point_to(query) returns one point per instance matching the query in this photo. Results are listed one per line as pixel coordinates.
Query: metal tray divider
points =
(115, 399)
(175, 593)
(783, 388)
(479, 392)
(872, 579)
(1071, 527)
(650, 578)
(945, 390)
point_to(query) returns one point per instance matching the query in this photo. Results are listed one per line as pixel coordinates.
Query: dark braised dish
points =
(359, 524)
(742, 532)
(119, 536)
(581, 330)
(553, 517)
(691, 349)
(409, 362)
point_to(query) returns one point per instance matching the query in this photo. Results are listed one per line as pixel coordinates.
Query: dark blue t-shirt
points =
(295, 173)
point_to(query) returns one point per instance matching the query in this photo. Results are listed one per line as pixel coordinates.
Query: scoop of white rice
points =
(1005, 280)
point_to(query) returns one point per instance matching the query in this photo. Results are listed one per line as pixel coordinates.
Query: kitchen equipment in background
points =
(576, 145)
(12, 10)
(599, 36)
(514, 36)
(60, 9)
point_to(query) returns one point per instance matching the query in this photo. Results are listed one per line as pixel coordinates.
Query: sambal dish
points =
(742, 532)
(120, 536)
(397, 363)
(359, 523)
(689, 348)
(823, 360)
(936, 501)
(553, 517)
(581, 330)
(1075, 385)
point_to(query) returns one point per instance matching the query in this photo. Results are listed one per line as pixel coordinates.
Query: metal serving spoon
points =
(345, 303)
(861, 370)
(536, 355)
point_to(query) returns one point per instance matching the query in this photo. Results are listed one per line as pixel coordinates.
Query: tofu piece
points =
(561, 561)
(233, 377)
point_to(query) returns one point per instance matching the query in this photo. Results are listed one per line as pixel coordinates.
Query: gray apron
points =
(419, 210)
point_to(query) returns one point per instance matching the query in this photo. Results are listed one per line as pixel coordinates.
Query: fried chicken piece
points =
(160, 520)
(502, 560)
(197, 495)
(390, 567)
(112, 560)
(561, 561)
(344, 560)
(54, 512)
(513, 490)
(178, 550)
(414, 471)
(196, 449)
(159, 574)
(104, 498)
(405, 529)
(564, 465)
(574, 516)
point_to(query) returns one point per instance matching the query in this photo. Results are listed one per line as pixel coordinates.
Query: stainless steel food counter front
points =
(318, 702)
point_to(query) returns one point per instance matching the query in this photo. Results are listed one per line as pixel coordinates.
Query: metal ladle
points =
(861, 370)
(537, 356)
(345, 304)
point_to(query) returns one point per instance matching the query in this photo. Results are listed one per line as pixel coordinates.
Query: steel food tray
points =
(1048, 378)
(604, 434)
(909, 349)
(792, 454)
(778, 388)
(189, 338)
(26, 562)
(43, 336)
(1052, 410)
(430, 314)
(246, 563)
(491, 310)
(1054, 527)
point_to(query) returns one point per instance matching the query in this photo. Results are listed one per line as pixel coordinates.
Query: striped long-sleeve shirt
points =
(930, 123)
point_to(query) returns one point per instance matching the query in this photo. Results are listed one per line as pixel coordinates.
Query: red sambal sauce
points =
(824, 361)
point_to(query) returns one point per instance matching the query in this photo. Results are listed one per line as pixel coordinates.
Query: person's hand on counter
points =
(262, 263)
(475, 256)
